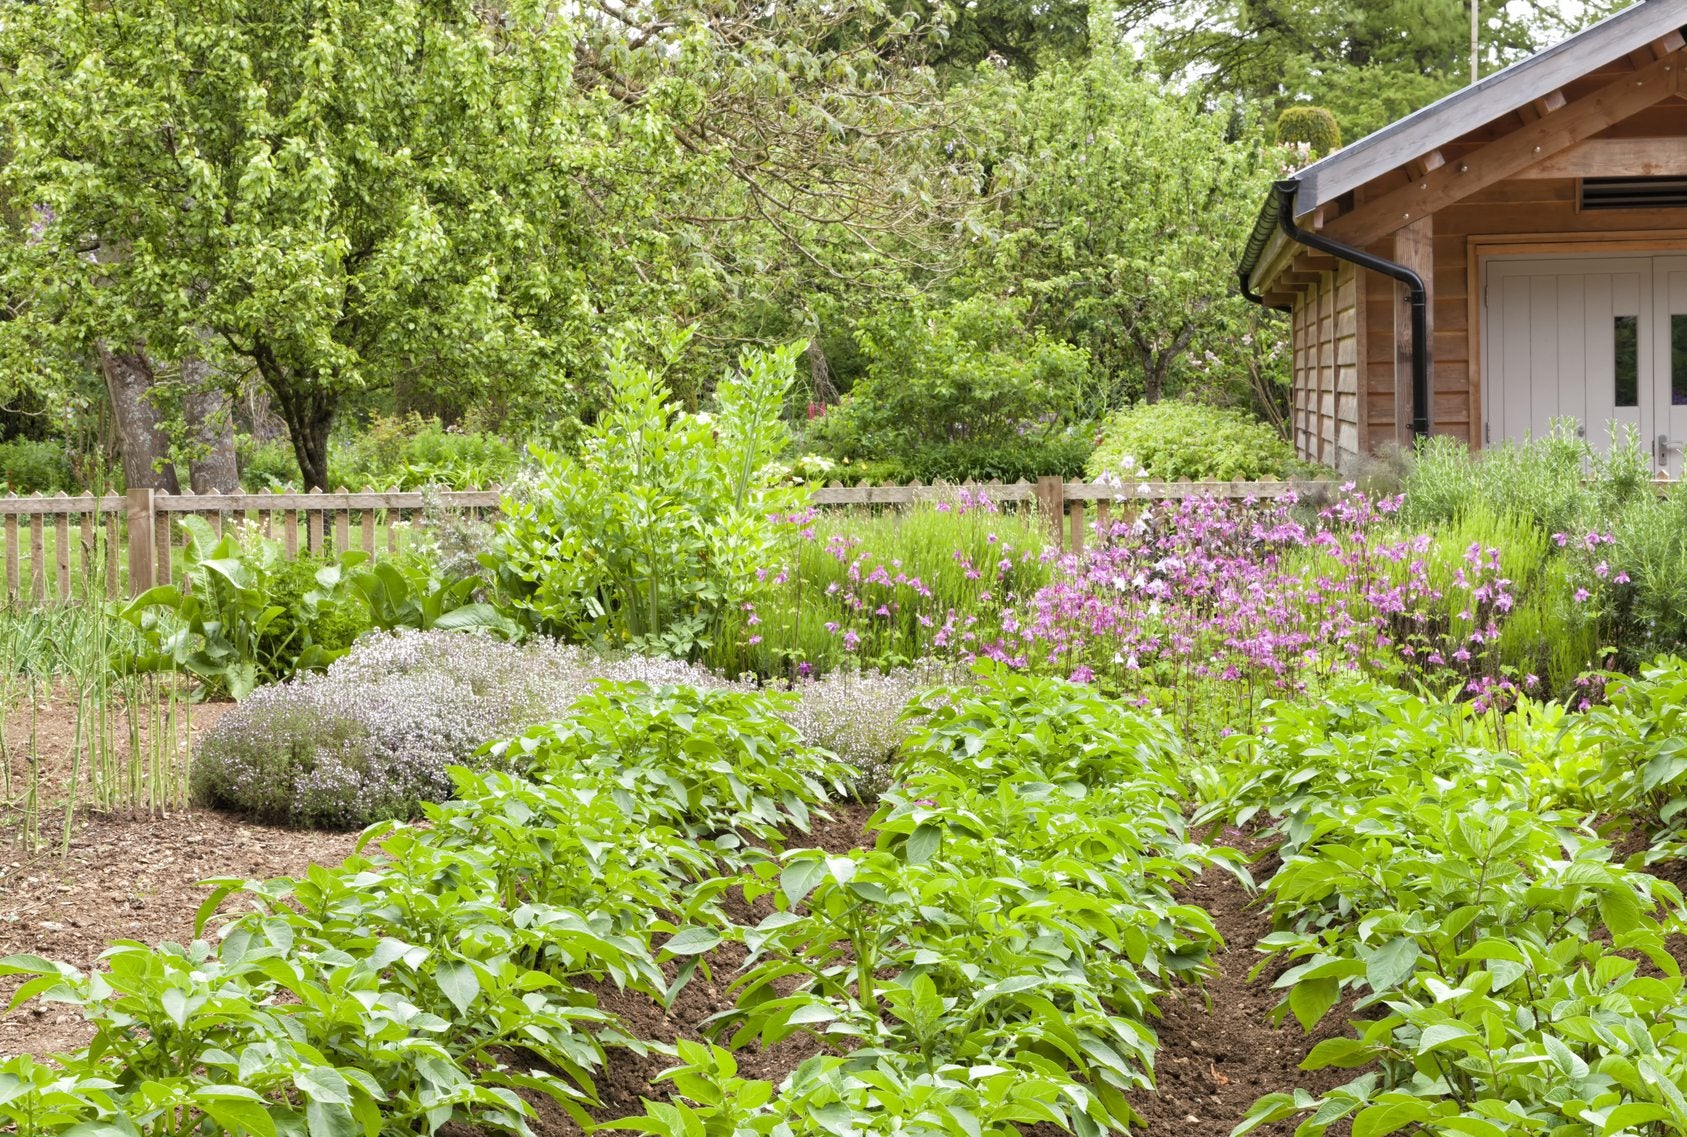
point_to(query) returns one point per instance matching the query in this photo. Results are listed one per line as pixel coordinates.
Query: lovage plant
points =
(657, 527)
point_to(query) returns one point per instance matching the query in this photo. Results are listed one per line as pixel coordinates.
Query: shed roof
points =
(1481, 102)
(1468, 108)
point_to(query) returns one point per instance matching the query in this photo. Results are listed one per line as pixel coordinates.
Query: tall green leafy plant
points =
(226, 628)
(659, 525)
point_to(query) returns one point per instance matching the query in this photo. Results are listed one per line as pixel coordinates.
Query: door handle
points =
(1662, 447)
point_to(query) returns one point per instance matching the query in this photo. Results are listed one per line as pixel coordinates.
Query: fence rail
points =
(125, 543)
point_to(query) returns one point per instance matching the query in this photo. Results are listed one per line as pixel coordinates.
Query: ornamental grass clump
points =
(372, 737)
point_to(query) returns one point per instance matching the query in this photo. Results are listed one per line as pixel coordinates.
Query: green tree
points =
(338, 196)
(338, 192)
(1368, 61)
(1024, 34)
(1122, 208)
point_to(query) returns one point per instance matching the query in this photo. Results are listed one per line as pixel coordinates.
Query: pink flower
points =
(1580, 595)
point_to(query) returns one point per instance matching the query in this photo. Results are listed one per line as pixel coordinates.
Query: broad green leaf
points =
(1388, 966)
(323, 1084)
(1439, 1035)
(458, 983)
(923, 843)
(1391, 1117)
(691, 941)
(1342, 1053)
(799, 876)
(1311, 999)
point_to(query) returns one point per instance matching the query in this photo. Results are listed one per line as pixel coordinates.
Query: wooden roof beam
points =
(1667, 45)
(1543, 106)
(1615, 158)
(1504, 157)
(1418, 167)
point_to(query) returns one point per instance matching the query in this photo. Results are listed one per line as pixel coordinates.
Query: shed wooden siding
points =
(1611, 101)
(1523, 208)
(1325, 411)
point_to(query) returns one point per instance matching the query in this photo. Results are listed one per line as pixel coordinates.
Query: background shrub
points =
(266, 465)
(30, 467)
(1173, 439)
(407, 452)
(971, 375)
(1063, 453)
(858, 715)
(410, 452)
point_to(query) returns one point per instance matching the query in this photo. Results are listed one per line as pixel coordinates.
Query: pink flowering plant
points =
(1252, 599)
(930, 583)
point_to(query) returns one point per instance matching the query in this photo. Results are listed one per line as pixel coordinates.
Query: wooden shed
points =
(1539, 219)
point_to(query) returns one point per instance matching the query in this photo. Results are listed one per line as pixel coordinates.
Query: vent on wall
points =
(1634, 193)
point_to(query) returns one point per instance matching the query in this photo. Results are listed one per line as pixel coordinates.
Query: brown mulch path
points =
(134, 879)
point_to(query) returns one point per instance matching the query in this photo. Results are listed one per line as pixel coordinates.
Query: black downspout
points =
(1417, 295)
(1253, 297)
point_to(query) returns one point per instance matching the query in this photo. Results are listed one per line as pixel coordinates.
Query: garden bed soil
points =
(127, 879)
(1218, 1051)
(629, 1078)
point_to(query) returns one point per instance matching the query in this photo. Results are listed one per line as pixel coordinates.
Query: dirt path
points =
(129, 879)
(1218, 1050)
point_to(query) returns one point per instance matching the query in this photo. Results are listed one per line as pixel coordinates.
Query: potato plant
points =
(994, 959)
(443, 970)
(1505, 974)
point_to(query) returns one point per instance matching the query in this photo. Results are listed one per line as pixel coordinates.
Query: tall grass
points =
(887, 589)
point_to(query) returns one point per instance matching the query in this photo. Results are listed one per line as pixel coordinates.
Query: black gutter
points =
(1417, 294)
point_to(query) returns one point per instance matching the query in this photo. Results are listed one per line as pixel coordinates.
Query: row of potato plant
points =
(994, 958)
(445, 969)
(1445, 882)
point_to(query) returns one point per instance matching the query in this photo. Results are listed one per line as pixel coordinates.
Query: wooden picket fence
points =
(122, 544)
(1071, 507)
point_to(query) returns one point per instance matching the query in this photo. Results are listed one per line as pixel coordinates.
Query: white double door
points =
(1600, 340)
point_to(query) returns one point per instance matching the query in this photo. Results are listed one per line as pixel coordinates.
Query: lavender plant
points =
(861, 715)
(372, 737)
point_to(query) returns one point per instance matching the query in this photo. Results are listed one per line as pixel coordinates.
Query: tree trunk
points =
(210, 424)
(308, 423)
(140, 433)
(308, 411)
(820, 372)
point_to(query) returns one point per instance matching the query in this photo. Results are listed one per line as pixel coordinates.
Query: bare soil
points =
(1219, 1052)
(129, 879)
(124, 876)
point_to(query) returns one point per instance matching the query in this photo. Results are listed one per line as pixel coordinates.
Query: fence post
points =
(1051, 499)
(142, 540)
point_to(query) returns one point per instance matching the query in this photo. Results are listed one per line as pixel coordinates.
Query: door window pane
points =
(1678, 361)
(1628, 361)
